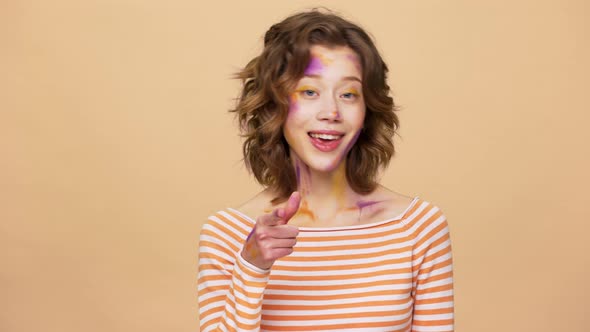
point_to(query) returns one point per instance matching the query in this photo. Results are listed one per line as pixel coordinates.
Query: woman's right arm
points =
(229, 288)
(231, 281)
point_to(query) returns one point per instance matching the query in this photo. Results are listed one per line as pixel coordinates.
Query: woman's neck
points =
(324, 195)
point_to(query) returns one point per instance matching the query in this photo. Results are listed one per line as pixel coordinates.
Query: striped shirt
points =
(393, 275)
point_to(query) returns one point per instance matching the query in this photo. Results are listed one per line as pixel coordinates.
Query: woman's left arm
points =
(433, 283)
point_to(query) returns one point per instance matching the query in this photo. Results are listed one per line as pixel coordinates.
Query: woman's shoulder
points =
(385, 204)
(257, 205)
(240, 217)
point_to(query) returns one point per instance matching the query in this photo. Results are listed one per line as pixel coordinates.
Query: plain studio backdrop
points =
(116, 144)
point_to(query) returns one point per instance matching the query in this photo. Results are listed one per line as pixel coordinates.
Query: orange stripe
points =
(437, 289)
(218, 248)
(225, 231)
(219, 237)
(213, 257)
(429, 236)
(251, 273)
(219, 299)
(246, 222)
(435, 300)
(433, 322)
(438, 311)
(301, 297)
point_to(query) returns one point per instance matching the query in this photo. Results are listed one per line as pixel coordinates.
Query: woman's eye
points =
(309, 93)
(349, 95)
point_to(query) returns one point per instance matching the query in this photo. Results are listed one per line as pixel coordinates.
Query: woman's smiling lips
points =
(326, 140)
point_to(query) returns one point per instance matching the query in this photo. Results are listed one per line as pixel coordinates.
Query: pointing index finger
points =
(291, 207)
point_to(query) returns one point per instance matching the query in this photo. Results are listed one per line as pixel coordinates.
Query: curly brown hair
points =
(269, 78)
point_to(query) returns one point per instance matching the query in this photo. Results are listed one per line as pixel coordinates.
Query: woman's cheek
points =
(293, 103)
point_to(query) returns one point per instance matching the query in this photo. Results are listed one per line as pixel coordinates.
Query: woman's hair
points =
(269, 78)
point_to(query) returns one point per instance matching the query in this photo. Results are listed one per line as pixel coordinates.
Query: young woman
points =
(324, 246)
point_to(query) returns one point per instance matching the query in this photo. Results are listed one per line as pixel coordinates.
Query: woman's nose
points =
(330, 111)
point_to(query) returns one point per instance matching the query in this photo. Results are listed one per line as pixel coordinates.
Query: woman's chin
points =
(324, 166)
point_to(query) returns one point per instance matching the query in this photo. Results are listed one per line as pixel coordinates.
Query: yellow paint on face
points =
(352, 91)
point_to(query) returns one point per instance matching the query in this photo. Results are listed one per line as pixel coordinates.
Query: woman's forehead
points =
(328, 60)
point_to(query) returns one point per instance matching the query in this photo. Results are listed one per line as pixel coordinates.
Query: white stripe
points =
(435, 283)
(438, 260)
(344, 282)
(322, 303)
(433, 306)
(436, 272)
(345, 263)
(434, 295)
(441, 328)
(359, 292)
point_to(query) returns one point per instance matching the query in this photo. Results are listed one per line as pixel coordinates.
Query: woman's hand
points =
(271, 238)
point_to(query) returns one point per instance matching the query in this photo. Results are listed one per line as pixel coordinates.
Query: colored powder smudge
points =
(293, 102)
(352, 141)
(250, 245)
(364, 204)
(304, 210)
(315, 66)
(349, 146)
(355, 59)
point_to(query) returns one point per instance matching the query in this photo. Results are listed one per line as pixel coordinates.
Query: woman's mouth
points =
(326, 141)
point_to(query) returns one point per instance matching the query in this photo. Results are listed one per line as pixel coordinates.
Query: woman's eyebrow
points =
(352, 78)
(345, 78)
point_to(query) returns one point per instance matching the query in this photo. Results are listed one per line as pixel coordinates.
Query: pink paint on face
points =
(355, 59)
(328, 101)
(315, 66)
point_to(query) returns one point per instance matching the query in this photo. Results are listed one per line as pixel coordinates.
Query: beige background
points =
(115, 145)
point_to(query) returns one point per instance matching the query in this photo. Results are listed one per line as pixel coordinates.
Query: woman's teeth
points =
(325, 136)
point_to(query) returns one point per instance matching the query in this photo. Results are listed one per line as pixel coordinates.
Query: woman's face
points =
(327, 108)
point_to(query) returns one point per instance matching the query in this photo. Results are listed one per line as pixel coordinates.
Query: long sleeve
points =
(433, 282)
(230, 289)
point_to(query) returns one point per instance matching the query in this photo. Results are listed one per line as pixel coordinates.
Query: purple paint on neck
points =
(315, 66)
(364, 204)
